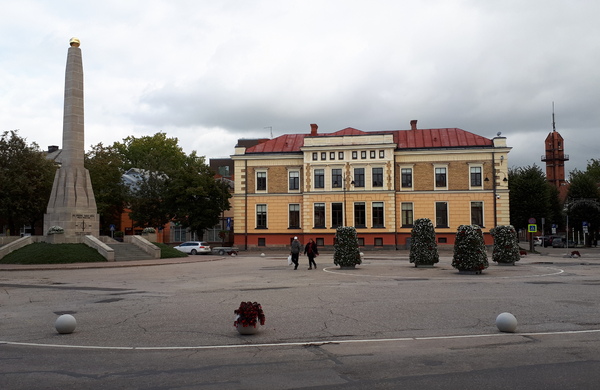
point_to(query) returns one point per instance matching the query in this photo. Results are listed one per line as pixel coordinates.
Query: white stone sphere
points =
(66, 323)
(506, 322)
(262, 255)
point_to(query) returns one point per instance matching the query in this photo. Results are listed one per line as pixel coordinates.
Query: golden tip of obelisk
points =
(74, 42)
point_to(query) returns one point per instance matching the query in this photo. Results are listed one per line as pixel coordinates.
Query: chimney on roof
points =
(52, 148)
(313, 129)
(413, 124)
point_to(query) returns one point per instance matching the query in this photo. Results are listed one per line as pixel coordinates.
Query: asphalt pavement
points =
(168, 324)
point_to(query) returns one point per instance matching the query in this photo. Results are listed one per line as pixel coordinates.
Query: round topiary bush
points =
(346, 252)
(469, 249)
(423, 249)
(506, 245)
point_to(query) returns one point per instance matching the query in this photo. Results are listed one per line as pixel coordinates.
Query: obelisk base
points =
(72, 204)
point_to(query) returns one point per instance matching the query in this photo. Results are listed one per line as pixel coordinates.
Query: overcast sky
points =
(211, 72)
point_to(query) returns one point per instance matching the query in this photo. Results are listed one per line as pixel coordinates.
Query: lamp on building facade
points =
(348, 181)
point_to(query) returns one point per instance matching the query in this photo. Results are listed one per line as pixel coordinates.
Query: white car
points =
(193, 247)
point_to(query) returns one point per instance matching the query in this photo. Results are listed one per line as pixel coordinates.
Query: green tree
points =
(583, 201)
(531, 196)
(199, 198)
(593, 169)
(172, 186)
(26, 178)
(106, 169)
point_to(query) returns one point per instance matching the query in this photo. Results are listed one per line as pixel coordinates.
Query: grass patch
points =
(44, 253)
(168, 252)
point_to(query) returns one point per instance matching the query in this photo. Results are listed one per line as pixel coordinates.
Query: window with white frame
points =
(294, 180)
(337, 215)
(477, 213)
(441, 179)
(261, 216)
(261, 180)
(360, 215)
(377, 214)
(336, 178)
(406, 177)
(475, 176)
(407, 214)
(441, 214)
(319, 215)
(319, 178)
(377, 176)
(294, 216)
(359, 177)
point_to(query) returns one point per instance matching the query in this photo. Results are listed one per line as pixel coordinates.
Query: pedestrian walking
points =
(311, 250)
(295, 251)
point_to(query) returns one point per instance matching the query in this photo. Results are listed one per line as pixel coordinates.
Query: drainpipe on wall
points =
(396, 207)
(246, 204)
(494, 188)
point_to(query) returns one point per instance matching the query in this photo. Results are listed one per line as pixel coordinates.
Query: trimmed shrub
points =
(506, 246)
(346, 249)
(469, 249)
(423, 249)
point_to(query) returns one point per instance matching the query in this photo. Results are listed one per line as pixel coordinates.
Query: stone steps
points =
(128, 252)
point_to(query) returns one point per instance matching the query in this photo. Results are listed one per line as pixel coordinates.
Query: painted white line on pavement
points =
(332, 270)
(305, 343)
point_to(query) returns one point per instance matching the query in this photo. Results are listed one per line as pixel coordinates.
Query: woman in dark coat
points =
(311, 250)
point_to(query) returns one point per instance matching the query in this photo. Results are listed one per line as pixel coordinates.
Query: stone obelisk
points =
(72, 204)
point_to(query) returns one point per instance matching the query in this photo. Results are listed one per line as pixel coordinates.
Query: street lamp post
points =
(344, 189)
(345, 184)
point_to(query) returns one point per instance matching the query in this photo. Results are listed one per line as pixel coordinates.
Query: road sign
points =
(112, 227)
(532, 228)
(532, 220)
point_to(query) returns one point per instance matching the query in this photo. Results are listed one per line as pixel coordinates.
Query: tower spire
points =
(553, 123)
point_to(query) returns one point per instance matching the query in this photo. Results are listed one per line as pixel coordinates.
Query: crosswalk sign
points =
(532, 228)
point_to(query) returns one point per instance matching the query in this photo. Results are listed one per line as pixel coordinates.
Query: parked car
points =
(194, 247)
(562, 243)
(548, 240)
(538, 240)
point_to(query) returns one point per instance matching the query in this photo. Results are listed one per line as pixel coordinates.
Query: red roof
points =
(404, 139)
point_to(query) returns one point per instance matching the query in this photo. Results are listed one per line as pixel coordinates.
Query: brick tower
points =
(555, 158)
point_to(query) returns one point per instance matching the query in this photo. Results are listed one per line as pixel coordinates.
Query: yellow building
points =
(306, 185)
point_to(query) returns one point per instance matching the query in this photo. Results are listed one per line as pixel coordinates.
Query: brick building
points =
(306, 185)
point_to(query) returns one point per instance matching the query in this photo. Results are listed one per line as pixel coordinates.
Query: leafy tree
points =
(199, 198)
(173, 186)
(106, 169)
(593, 169)
(583, 200)
(531, 196)
(26, 178)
